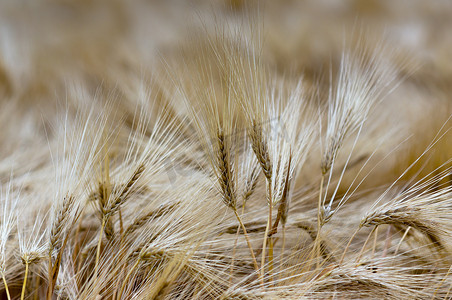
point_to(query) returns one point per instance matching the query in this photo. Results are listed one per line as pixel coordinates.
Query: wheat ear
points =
(58, 241)
(227, 187)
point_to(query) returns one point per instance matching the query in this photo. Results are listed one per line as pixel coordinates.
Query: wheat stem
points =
(121, 226)
(364, 246)
(235, 247)
(283, 248)
(319, 207)
(401, 240)
(375, 240)
(448, 292)
(270, 258)
(121, 291)
(231, 271)
(441, 283)
(348, 245)
(55, 269)
(6, 286)
(96, 264)
(77, 242)
(245, 233)
(50, 275)
(319, 223)
(269, 221)
(25, 281)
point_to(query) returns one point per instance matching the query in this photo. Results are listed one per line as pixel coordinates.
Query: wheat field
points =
(225, 149)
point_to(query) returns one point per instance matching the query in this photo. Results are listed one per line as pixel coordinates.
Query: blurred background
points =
(51, 52)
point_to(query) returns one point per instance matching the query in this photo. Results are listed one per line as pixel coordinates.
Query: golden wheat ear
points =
(363, 79)
(422, 207)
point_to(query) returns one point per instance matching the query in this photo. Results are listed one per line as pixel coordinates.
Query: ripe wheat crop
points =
(225, 150)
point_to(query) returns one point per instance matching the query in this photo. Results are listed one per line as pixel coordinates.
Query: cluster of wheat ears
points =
(210, 174)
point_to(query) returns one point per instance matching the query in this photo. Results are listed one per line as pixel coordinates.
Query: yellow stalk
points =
(375, 241)
(283, 248)
(25, 282)
(269, 221)
(270, 258)
(96, 265)
(319, 225)
(121, 291)
(245, 233)
(401, 240)
(235, 248)
(364, 246)
(348, 245)
(6, 286)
